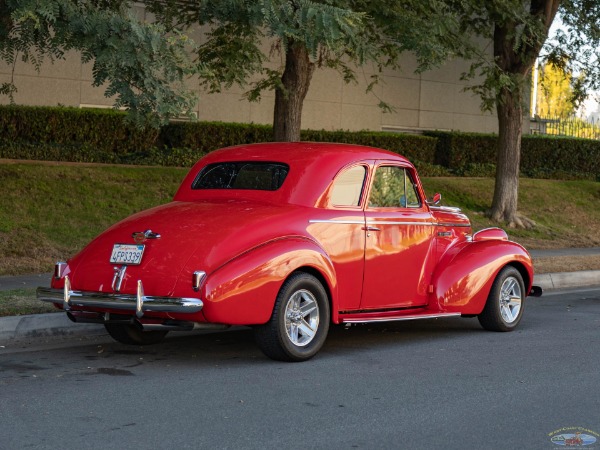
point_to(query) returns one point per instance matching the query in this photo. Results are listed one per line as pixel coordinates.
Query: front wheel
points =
(132, 335)
(299, 323)
(504, 307)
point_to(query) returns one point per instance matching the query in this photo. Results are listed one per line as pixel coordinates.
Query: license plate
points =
(127, 254)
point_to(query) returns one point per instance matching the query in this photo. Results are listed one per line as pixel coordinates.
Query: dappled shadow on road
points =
(236, 348)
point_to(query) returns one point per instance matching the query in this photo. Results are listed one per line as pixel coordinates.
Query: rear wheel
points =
(299, 323)
(504, 307)
(132, 335)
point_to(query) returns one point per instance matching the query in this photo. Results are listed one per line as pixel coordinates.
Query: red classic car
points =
(288, 238)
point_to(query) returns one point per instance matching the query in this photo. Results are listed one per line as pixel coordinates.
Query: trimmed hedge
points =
(542, 156)
(101, 129)
(59, 134)
(97, 135)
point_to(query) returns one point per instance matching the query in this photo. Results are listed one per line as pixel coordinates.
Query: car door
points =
(339, 227)
(399, 250)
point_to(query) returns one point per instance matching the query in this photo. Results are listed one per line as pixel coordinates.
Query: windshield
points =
(264, 176)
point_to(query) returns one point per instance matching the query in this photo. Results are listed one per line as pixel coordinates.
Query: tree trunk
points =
(508, 155)
(289, 100)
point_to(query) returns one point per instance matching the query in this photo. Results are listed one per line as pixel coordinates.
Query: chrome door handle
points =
(371, 229)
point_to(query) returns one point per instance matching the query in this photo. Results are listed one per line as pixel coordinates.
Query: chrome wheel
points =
(510, 300)
(503, 309)
(301, 318)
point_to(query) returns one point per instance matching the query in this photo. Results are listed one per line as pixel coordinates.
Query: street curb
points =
(565, 280)
(44, 325)
(58, 324)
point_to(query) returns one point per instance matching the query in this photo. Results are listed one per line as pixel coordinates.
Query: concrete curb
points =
(57, 324)
(566, 280)
(44, 325)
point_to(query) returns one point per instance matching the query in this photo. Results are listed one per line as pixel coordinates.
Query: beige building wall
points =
(434, 100)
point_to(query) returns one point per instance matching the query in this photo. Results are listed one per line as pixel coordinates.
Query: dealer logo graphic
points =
(574, 437)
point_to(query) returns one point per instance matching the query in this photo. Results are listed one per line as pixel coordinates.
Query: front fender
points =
(243, 291)
(463, 278)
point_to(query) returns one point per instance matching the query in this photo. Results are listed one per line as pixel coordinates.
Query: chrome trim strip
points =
(383, 222)
(345, 222)
(120, 301)
(450, 224)
(400, 318)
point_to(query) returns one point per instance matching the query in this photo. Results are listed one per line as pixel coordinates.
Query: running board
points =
(396, 318)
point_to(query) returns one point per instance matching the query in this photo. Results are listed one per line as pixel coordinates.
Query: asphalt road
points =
(436, 384)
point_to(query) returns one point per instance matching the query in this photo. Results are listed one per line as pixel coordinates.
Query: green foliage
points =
(519, 31)
(554, 92)
(103, 130)
(560, 157)
(474, 154)
(70, 134)
(337, 34)
(139, 65)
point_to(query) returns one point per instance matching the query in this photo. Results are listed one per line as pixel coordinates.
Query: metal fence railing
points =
(566, 126)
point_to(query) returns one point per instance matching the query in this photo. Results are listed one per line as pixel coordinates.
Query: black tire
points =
(300, 321)
(505, 304)
(132, 335)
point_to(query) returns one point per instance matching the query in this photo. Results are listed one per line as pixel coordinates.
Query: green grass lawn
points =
(48, 212)
(23, 301)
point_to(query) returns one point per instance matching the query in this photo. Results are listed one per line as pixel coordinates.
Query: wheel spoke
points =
(307, 308)
(306, 329)
(292, 330)
(506, 313)
(295, 300)
(509, 287)
(514, 301)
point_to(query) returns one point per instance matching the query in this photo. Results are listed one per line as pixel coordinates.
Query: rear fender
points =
(243, 291)
(464, 276)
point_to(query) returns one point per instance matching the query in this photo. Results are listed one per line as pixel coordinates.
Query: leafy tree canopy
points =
(554, 92)
(337, 34)
(136, 62)
(519, 32)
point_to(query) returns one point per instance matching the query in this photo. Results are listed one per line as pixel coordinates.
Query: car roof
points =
(289, 152)
(312, 167)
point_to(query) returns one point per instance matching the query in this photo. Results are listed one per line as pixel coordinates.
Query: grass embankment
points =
(48, 212)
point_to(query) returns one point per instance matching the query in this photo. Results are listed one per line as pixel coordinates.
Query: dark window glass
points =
(263, 176)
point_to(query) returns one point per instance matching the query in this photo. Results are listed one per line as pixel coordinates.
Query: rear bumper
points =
(138, 304)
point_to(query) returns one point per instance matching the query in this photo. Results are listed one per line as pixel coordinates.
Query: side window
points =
(348, 186)
(393, 188)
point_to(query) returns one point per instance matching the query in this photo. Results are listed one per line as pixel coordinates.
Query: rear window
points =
(262, 176)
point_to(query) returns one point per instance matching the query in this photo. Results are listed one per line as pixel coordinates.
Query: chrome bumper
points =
(138, 303)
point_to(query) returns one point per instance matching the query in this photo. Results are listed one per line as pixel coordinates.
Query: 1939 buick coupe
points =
(288, 238)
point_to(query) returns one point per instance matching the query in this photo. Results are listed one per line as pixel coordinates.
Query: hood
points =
(217, 230)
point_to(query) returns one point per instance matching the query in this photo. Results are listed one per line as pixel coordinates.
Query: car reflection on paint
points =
(288, 238)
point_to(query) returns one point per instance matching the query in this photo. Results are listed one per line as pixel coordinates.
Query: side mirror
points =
(437, 198)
